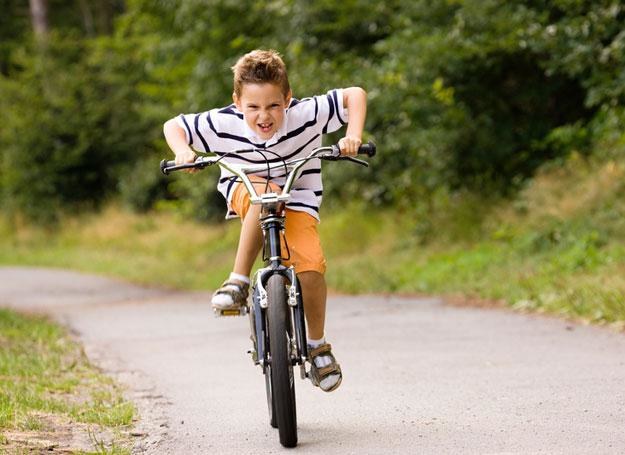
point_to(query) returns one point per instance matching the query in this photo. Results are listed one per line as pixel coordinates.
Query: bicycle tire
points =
(271, 404)
(282, 378)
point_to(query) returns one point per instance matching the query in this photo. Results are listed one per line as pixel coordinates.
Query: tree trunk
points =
(104, 11)
(39, 17)
(87, 17)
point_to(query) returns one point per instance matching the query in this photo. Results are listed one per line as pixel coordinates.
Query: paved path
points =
(420, 376)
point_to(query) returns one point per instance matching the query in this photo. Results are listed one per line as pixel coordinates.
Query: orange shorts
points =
(300, 231)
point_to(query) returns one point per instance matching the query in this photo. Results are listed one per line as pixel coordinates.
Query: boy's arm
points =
(177, 141)
(355, 101)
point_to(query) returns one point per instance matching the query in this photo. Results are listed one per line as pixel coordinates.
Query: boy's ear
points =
(236, 100)
(288, 97)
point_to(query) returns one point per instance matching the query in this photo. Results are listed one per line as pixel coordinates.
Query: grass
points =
(152, 249)
(557, 247)
(47, 383)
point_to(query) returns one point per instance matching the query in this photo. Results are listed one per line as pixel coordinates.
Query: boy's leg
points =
(325, 370)
(309, 262)
(233, 293)
(302, 239)
(315, 293)
(250, 242)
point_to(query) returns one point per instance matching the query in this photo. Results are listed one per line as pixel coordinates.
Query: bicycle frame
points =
(272, 225)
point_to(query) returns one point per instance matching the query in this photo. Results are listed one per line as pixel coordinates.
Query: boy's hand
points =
(349, 145)
(186, 156)
(177, 141)
(355, 101)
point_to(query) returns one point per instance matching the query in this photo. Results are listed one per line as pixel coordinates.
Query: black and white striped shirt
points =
(306, 120)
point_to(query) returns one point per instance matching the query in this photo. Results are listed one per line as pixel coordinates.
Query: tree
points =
(39, 15)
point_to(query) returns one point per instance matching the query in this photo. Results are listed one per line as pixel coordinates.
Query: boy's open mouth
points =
(265, 127)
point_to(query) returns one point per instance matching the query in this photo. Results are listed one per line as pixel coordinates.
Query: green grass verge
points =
(558, 247)
(153, 249)
(46, 383)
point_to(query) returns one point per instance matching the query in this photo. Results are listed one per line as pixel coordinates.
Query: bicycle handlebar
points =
(243, 170)
(368, 149)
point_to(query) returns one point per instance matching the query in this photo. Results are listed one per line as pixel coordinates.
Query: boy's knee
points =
(310, 276)
(311, 268)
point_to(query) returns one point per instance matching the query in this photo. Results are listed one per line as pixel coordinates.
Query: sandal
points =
(231, 295)
(319, 374)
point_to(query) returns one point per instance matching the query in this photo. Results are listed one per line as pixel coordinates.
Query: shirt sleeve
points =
(332, 113)
(196, 129)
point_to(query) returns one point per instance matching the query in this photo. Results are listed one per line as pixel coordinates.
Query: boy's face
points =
(263, 107)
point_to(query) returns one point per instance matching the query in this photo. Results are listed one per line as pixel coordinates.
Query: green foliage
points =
(462, 73)
(70, 124)
(141, 186)
(13, 28)
(586, 41)
(462, 94)
(197, 196)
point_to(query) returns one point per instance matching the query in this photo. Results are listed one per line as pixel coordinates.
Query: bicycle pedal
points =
(230, 312)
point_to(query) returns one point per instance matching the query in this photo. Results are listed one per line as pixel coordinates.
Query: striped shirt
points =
(224, 130)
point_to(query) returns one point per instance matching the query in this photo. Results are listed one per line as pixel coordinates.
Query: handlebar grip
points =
(368, 149)
(166, 165)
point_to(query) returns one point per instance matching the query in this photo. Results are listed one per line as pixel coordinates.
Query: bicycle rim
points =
(282, 379)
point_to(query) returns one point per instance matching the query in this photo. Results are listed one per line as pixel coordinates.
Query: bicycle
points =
(276, 313)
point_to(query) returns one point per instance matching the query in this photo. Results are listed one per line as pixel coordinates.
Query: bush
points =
(70, 126)
(143, 185)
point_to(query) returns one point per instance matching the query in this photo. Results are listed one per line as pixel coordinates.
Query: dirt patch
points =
(150, 425)
(58, 434)
(475, 302)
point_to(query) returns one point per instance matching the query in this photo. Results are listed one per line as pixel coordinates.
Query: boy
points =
(264, 115)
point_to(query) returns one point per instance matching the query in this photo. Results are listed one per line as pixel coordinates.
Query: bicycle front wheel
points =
(282, 379)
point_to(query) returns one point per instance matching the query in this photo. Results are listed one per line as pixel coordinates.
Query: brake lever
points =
(354, 160)
(336, 156)
(330, 157)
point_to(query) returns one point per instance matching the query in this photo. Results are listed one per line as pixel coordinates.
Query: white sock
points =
(321, 360)
(316, 343)
(239, 277)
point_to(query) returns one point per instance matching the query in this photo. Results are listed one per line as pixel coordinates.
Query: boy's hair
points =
(259, 67)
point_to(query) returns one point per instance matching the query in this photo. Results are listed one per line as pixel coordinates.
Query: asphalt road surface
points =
(420, 376)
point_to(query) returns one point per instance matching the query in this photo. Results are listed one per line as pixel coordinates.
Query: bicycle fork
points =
(258, 324)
